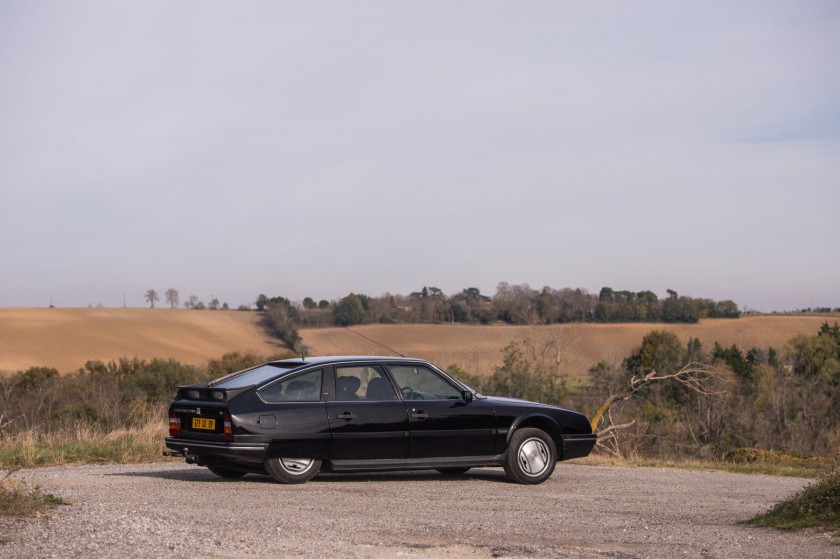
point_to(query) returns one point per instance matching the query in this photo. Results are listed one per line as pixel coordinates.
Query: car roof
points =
(326, 359)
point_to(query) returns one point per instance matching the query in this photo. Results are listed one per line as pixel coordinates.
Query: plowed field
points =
(478, 348)
(66, 338)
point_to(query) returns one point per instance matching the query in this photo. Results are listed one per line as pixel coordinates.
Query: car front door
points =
(367, 419)
(441, 422)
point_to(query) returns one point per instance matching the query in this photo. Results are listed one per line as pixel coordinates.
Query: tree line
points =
(511, 304)
(173, 298)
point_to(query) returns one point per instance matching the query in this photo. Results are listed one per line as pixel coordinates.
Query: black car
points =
(297, 417)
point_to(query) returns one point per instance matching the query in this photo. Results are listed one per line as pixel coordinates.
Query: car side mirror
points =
(467, 396)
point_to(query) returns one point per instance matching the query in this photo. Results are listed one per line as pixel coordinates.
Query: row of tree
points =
(173, 298)
(512, 304)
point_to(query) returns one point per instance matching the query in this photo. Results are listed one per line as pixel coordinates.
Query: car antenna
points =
(374, 341)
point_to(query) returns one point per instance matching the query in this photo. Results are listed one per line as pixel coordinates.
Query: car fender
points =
(540, 421)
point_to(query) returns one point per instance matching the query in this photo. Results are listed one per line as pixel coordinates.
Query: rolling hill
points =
(66, 338)
(478, 348)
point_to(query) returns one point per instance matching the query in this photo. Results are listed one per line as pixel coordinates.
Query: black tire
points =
(227, 473)
(453, 471)
(292, 470)
(531, 456)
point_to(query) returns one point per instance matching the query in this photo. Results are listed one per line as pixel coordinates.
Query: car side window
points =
(300, 388)
(421, 383)
(363, 383)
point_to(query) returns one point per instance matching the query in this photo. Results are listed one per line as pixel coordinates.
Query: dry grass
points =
(478, 348)
(776, 465)
(67, 338)
(84, 444)
(18, 499)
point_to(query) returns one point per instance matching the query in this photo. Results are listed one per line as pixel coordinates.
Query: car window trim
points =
(381, 365)
(446, 378)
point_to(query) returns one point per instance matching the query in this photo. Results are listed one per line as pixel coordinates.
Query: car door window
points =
(300, 388)
(363, 383)
(421, 383)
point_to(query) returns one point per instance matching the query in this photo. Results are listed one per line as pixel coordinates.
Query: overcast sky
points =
(318, 148)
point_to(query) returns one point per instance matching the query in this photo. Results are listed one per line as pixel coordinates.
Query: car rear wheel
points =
(226, 473)
(453, 471)
(292, 470)
(531, 456)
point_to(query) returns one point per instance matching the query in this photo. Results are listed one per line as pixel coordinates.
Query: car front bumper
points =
(578, 446)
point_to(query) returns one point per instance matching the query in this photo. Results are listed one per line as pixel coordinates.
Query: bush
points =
(818, 505)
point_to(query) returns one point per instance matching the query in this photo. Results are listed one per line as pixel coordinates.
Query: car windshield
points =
(253, 376)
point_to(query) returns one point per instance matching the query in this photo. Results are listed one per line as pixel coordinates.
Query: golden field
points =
(66, 338)
(478, 348)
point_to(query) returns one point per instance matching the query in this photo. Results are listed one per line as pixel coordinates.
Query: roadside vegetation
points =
(104, 412)
(818, 505)
(18, 499)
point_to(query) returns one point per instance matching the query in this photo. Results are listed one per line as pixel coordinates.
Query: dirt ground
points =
(152, 510)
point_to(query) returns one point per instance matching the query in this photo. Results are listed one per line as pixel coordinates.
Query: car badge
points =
(197, 411)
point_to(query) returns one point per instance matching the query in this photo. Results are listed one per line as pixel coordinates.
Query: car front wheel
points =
(292, 470)
(531, 456)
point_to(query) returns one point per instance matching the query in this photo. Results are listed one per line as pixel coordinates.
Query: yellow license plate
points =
(203, 423)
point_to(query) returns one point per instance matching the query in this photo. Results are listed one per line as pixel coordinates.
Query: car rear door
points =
(367, 419)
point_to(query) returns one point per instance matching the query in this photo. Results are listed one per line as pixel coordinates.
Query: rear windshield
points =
(253, 376)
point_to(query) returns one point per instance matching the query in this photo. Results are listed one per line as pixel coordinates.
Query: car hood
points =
(514, 401)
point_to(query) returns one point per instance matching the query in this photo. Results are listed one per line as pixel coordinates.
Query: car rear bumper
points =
(578, 446)
(244, 452)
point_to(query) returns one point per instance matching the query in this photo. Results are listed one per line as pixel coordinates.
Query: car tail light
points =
(174, 424)
(228, 428)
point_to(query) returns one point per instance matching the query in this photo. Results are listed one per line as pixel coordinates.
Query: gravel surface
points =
(173, 509)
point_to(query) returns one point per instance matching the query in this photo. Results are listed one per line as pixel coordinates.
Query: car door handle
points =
(415, 414)
(346, 415)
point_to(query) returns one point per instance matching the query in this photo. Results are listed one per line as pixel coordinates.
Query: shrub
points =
(816, 505)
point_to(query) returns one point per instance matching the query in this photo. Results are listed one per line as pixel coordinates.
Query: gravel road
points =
(173, 509)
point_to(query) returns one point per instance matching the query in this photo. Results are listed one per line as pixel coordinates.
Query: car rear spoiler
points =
(197, 393)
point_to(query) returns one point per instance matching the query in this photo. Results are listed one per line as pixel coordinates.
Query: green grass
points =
(818, 505)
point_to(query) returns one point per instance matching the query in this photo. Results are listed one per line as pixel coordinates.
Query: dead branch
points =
(611, 428)
(697, 377)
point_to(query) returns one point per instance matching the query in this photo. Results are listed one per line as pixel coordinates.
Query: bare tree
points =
(172, 297)
(152, 296)
(697, 377)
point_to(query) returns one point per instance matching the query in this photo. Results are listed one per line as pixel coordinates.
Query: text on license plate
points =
(203, 423)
